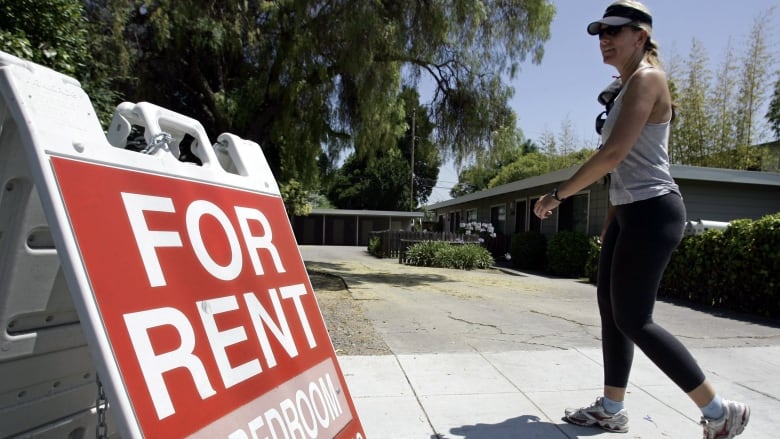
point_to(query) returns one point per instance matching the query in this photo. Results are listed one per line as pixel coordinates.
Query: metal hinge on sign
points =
(101, 404)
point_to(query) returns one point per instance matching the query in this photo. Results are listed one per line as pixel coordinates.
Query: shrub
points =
(676, 282)
(592, 263)
(765, 285)
(567, 254)
(471, 256)
(528, 250)
(423, 254)
(747, 259)
(445, 255)
(375, 247)
(735, 268)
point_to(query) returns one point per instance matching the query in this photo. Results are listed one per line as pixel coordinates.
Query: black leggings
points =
(636, 249)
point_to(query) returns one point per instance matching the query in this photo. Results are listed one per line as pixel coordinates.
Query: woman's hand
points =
(545, 205)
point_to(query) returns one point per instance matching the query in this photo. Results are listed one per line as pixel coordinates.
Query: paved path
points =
(487, 354)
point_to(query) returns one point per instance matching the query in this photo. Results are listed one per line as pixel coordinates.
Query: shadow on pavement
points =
(723, 313)
(520, 427)
(352, 279)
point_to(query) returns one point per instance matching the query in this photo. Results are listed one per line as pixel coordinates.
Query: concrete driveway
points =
(425, 310)
(491, 355)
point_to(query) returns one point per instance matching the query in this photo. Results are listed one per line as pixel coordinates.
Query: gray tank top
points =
(644, 173)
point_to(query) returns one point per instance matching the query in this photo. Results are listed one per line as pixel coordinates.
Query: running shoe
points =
(732, 423)
(595, 415)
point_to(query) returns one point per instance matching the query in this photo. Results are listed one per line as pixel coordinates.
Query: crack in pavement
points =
(500, 331)
(735, 337)
(527, 341)
(563, 318)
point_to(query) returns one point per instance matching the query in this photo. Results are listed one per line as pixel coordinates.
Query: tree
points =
(567, 141)
(673, 71)
(535, 163)
(378, 184)
(723, 110)
(49, 32)
(517, 159)
(472, 179)
(754, 75)
(548, 143)
(716, 122)
(693, 126)
(529, 165)
(417, 147)
(556, 152)
(773, 113)
(528, 146)
(296, 199)
(303, 77)
(508, 146)
(54, 33)
(358, 182)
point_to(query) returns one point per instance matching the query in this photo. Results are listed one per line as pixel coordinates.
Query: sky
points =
(565, 85)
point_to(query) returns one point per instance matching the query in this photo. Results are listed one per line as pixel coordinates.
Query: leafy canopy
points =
(383, 181)
(304, 77)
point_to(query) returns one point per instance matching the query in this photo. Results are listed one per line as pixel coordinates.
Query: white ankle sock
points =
(612, 406)
(713, 410)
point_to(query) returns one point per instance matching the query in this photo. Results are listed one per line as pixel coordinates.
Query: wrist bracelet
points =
(554, 194)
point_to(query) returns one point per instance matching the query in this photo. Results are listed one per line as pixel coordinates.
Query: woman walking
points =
(644, 226)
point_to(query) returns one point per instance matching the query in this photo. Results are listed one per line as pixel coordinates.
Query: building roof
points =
(679, 172)
(357, 212)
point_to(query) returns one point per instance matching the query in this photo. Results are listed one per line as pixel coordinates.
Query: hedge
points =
(737, 268)
(445, 255)
(592, 262)
(567, 254)
(529, 250)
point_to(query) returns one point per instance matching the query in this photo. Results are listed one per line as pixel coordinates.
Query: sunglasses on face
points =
(610, 30)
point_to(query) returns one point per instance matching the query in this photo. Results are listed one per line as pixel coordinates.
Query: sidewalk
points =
(522, 394)
(496, 356)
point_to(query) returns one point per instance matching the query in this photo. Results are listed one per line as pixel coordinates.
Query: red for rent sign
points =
(207, 307)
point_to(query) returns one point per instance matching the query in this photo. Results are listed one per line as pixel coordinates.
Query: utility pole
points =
(411, 180)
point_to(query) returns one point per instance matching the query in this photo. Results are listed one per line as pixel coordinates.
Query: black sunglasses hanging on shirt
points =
(600, 119)
(607, 99)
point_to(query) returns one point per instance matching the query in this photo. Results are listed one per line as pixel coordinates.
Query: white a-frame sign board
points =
(172, 286)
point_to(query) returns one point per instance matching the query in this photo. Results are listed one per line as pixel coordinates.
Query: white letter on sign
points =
(295, 292)
(147, 240)
(282, 332)
(195, 211)
(219, 340)
(153, 366)
(254, 243)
